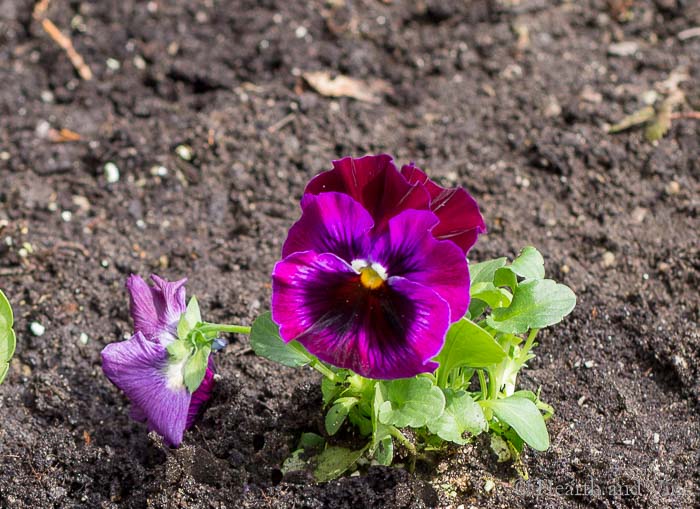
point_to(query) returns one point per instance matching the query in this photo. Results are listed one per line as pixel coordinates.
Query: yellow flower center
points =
(370, 278)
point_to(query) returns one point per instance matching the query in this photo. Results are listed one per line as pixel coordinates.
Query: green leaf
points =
(334, 461)
(266, 342)
(189, 319)
(536, 304)
(494, 297)
(178, 350)
(294, 463)
(522, 415)
(382, 445)
(338, 413)
(476, 308)
(385, 451)
(529, 264)
(8, 340)
(468, 345)
(461, 414)
(506, 277)
(484, 272)
(310, 442)
(329, 390)
(411, 402)
(196, 368)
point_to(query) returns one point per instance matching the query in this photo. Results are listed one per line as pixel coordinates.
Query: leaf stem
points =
(493, 387)
(482, 383)
(324, 370)
(528, 346)
(394, 432)
(220, 327)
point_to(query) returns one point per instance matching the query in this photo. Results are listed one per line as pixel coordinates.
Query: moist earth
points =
(508, 98)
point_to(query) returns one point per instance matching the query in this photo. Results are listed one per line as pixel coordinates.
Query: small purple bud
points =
(219, 344)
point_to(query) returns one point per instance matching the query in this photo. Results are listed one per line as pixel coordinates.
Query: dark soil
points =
(519, 121)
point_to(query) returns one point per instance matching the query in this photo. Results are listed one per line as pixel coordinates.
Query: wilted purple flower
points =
(374, 272)
(142, 368)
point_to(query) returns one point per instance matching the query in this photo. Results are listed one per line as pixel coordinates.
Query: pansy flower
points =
(142, 367)
(374, 272)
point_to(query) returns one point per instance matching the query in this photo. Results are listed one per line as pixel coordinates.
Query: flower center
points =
(372, 276)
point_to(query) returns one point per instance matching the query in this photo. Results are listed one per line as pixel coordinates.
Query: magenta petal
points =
(375, 183)
(391, 332)
(156, 310)
(300, 284)
(330, 223)
(201, 395)
(460, 219)
(137, 366)
(408, 249)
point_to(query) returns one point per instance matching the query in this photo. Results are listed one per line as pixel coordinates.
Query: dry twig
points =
(65, 43)
(62, 40)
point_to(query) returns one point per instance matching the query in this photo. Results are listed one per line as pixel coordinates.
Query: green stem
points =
(482, 383)
(324, 370)
(493, 387)
(528, 344)
(220, 327)
(407, 444)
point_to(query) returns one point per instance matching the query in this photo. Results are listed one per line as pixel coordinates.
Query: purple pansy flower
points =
(374, 272)
(142, 367)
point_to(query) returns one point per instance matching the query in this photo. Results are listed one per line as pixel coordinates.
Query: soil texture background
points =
(507, 98)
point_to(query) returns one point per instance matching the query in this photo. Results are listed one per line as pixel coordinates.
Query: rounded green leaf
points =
(483, 272)
(529, 264)
(522, 415)
(334, 461)
(536, 304)
(266, 342)
(411, 402)
(462, 414)
(467, 345)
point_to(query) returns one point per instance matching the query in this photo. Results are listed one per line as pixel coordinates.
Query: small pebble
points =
(588, 94)
(489, 485)
(623, 49)
(581, 400)
(104, 263)
(656, 438)
(111, 172)
(184, 152)
(113, 64)
(588, 364)
(66, 215)
(628, 441)
(47, 96)
(37, 329)
(5, 156)
(139, 62)
(673, 187)
(301, 32)
(638, 214)
(663, 267)
(159, 171)
(608, 259)
(83, 338)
